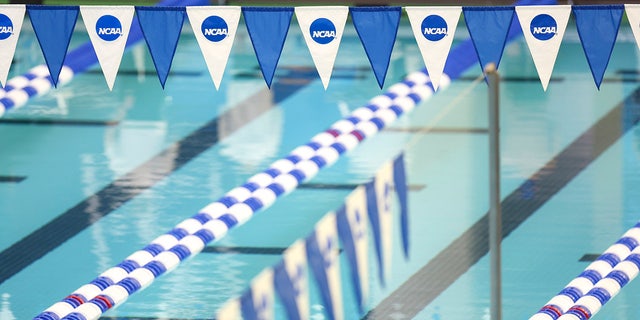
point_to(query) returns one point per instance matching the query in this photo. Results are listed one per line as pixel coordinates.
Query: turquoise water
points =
(116, 134)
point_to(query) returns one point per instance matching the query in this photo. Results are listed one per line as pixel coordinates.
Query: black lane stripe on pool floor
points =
(89, 211)
(11, 179)
(60, 122)
(453, 261)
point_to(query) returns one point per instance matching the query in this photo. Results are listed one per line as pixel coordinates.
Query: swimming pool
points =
(110, 171)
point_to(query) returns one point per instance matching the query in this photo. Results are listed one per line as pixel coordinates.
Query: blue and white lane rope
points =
(607, 288)
(599, 282)
(37, 81)
(188, 238)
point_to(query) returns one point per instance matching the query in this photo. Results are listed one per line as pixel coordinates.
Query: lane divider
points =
(598, 283)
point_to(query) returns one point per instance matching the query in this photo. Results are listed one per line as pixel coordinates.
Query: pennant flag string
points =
(433, 28)
(322, 29)
(215, 29)
(291, 281)
(352, 229)
(53, 26)
(598, 29)
(108, 28)
(488, 28)
(268, 28)
(161, 27)
(377, 28)
(543, 28)
(11, 18)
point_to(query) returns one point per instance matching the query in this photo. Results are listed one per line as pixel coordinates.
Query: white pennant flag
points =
(543, 28)
(230, 310)
(259, 301)
(433, 28)
(383, 185)
(633, 14)
(291, 281)
(11, 17)
(108, 28)
(322, 28)
(352, 227)
(215, 29)
(323, 256)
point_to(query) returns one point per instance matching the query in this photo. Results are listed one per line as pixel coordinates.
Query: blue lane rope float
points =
(188, 238)
(37, 80)
(598, 283)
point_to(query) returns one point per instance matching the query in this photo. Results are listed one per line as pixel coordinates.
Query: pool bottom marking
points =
(465, 251)
(59, 122)
(12, 179)
(89, 211)
(438, 130)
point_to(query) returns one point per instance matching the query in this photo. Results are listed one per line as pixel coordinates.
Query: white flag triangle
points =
(230, 310)
(633, 14)
(108, 28)
(543, 28)
(215, 29)
(322, 28)
(383, 184)
(433, 28)
(11, 17)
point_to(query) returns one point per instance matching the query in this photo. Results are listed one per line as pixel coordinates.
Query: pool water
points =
(90, 176)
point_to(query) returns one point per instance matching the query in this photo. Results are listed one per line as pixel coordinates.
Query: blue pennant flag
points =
(488, 28)
(161, 28)
(598, 29)
(377, 28)
(268, 28)
(352, 229)
(322, 254)
(53, 26)
(400, 183)
(257, 302)
(291, 281)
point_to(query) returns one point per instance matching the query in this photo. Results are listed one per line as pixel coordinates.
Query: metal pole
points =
(495, 212)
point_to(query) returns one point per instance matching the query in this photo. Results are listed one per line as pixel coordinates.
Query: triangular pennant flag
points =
(633, 14)
(322, 254)
(291, 281)
(543, 28)
(352, 228)
(433, 28)
(161, 27)
(322, 28)
(488, 28)
(215, 29)
(53, 26)
(230, 310)
(400, 184)
(268, 28)
(11, 17)
(598, 29)
(257, 303)
(108, 28)
(379, 200)
(377, 28)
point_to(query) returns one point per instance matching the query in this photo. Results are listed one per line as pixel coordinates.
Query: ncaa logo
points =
(543, 27)
(6, 27)
(434, 28)
(214, 28)
(322, 31)
(108, 28)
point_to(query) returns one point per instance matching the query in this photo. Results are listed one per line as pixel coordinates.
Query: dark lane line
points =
(453, 261)
(12, 179)
(89, 211)
(60, 122)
